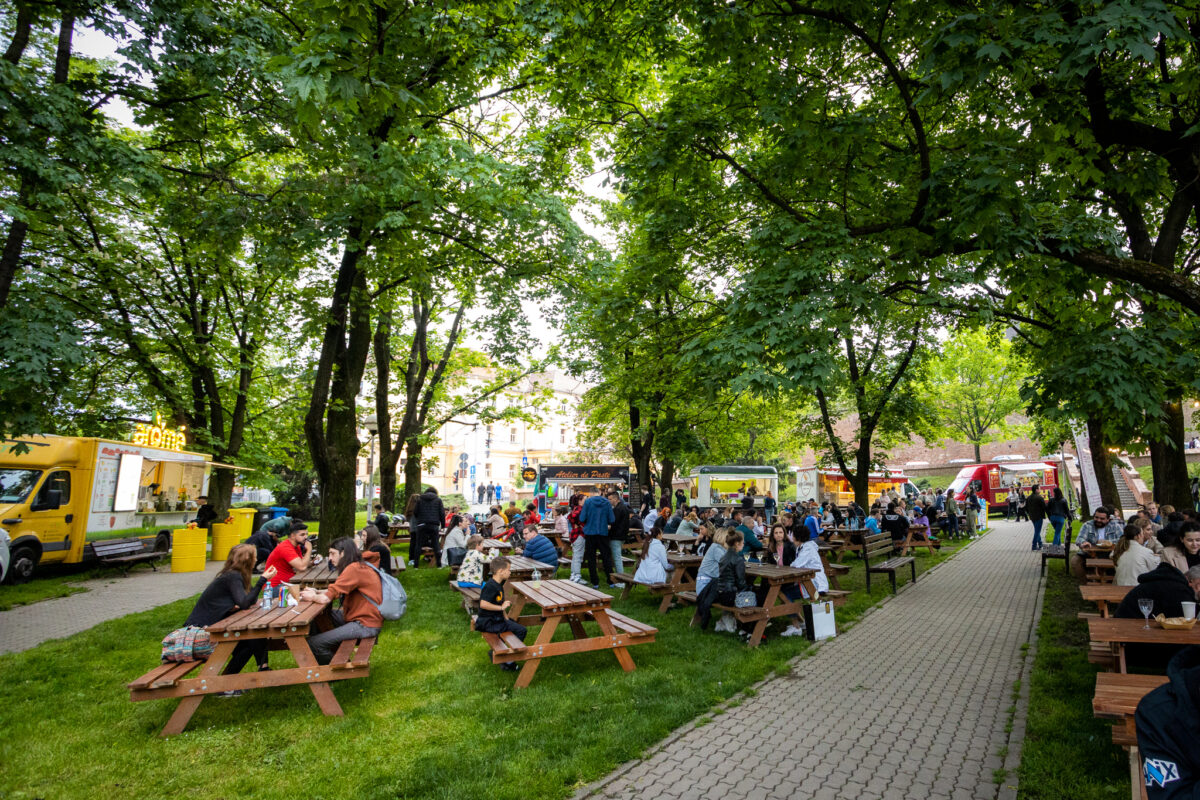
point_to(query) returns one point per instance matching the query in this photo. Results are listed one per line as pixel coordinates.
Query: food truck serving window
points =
(16, 484)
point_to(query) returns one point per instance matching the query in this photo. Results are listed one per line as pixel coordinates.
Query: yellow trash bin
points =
(243, 520)
(188, 549)
(224, 537)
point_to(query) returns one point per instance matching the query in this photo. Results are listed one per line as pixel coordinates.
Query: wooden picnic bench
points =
(575, 604)
(1102, 594)
(882, 543)
(124, 553)
(680, 543)
(1100, 570)
(680, 579)
(774, 604)
(1117, 698)
(288, 627)
(834, 573)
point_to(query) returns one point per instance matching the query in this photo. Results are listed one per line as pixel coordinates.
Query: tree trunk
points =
(383, 411)
(861, 479)
(978, 457)
(220, 490)
(412, 469)
(1102, 463)
(1168, 463)
(665, 476)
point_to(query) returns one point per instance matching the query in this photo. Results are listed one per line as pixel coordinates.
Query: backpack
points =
(395, 599)
(187, 644)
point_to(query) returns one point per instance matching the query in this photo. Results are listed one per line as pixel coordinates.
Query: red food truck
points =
(993, 482)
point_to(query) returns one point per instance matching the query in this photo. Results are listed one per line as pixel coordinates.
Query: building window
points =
(512, 470)
(563, 408)
(487, 470)
(512, 435)
(562, 435)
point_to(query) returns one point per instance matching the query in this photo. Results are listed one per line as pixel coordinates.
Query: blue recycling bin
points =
(277, 512)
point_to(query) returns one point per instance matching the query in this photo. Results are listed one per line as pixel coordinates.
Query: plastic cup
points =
(1189, 610)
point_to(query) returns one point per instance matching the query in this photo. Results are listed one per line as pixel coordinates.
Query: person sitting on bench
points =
(470, 572)
(229, 593)
(895, 524)
(1168, 728)
(538, 547)
(361, 590)
(492, 607)
(654, 566)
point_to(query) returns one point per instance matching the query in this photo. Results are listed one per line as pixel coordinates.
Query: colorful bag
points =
(187, 644)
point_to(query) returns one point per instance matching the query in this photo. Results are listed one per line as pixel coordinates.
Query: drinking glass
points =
(1146, 605)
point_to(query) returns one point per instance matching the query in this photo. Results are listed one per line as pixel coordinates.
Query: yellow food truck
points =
(61, 492)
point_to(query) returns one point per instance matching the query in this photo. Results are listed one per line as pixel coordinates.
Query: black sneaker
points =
(231, 693)
(509, 666)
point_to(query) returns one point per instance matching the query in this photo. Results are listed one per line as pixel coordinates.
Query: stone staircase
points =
(1128, 501)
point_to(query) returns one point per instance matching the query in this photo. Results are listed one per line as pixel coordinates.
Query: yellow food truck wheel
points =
(21, 564)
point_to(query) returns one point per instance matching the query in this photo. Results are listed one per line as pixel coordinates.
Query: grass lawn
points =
(1067, 751)
(434, 720)
(45, 588)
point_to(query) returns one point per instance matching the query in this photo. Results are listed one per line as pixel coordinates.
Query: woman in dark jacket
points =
(1035, 507)
(373, 542)
(229, 593)
(730, 580)
(1059, 512)
(780, 551)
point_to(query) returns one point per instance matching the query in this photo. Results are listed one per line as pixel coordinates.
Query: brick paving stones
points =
(108, 598)
(926, 719)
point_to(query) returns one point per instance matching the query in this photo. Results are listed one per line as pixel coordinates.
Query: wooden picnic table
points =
(1102, 594)
(1119, 632)
(496, 544)
(521, 569)
(1117, 698)
(288, 626)
(575, 604)
(775, 603)
(680, 542)
(680, 579)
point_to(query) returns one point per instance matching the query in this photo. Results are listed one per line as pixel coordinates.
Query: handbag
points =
(745, 600)
(819, 622)
(455, 556)
(187, 644)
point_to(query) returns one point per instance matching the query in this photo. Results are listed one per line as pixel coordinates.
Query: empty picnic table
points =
(575, 604)
(1119, 632)
(1102, 594)
(287, 626)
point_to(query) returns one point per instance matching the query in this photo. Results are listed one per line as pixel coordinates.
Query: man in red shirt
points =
(290, 556)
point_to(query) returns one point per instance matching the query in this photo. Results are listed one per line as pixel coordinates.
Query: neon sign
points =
(159, 435)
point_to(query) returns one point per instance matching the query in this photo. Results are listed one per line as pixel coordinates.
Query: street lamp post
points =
(372, 429)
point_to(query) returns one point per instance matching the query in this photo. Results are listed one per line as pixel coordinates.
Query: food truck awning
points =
(231, 466)
(1026, 467)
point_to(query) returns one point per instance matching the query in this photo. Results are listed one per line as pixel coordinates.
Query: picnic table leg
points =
(606, 627)
(188, 705)
(1121, 657)
(545, 635)
(321, 691)
(577, 629)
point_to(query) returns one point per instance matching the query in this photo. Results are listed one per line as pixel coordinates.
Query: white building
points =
(470, 453)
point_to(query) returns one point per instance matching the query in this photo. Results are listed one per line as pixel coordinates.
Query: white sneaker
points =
(792, 630)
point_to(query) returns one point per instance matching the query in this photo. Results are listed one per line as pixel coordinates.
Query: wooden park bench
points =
(834, 572)
(1102, 594)
(1062, 551)
(682, 578)
(882, 544)
(124, 553)
(470, 600)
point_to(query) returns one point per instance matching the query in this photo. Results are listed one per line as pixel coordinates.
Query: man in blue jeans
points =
(618, 530)
(597, 515)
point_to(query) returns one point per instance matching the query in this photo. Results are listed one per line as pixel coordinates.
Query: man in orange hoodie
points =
(361, 590)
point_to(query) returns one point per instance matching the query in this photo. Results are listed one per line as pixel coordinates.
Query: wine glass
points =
(1146, 605)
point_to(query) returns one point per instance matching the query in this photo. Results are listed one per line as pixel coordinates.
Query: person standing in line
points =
(950, 505)
(427, 521)
(597, 515)
(1021, 502)
(769, 506)
(618, 529)
(973, 508)
(491, 493)
(1058, 512)
(1035, 508)
(1010, 511)
(480, 492)
(680, 499)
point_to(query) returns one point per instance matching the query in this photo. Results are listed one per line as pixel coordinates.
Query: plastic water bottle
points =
(537, 577)
(267, 596)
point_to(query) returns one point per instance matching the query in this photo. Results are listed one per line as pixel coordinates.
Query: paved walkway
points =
(911, 702)
(108, 598)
